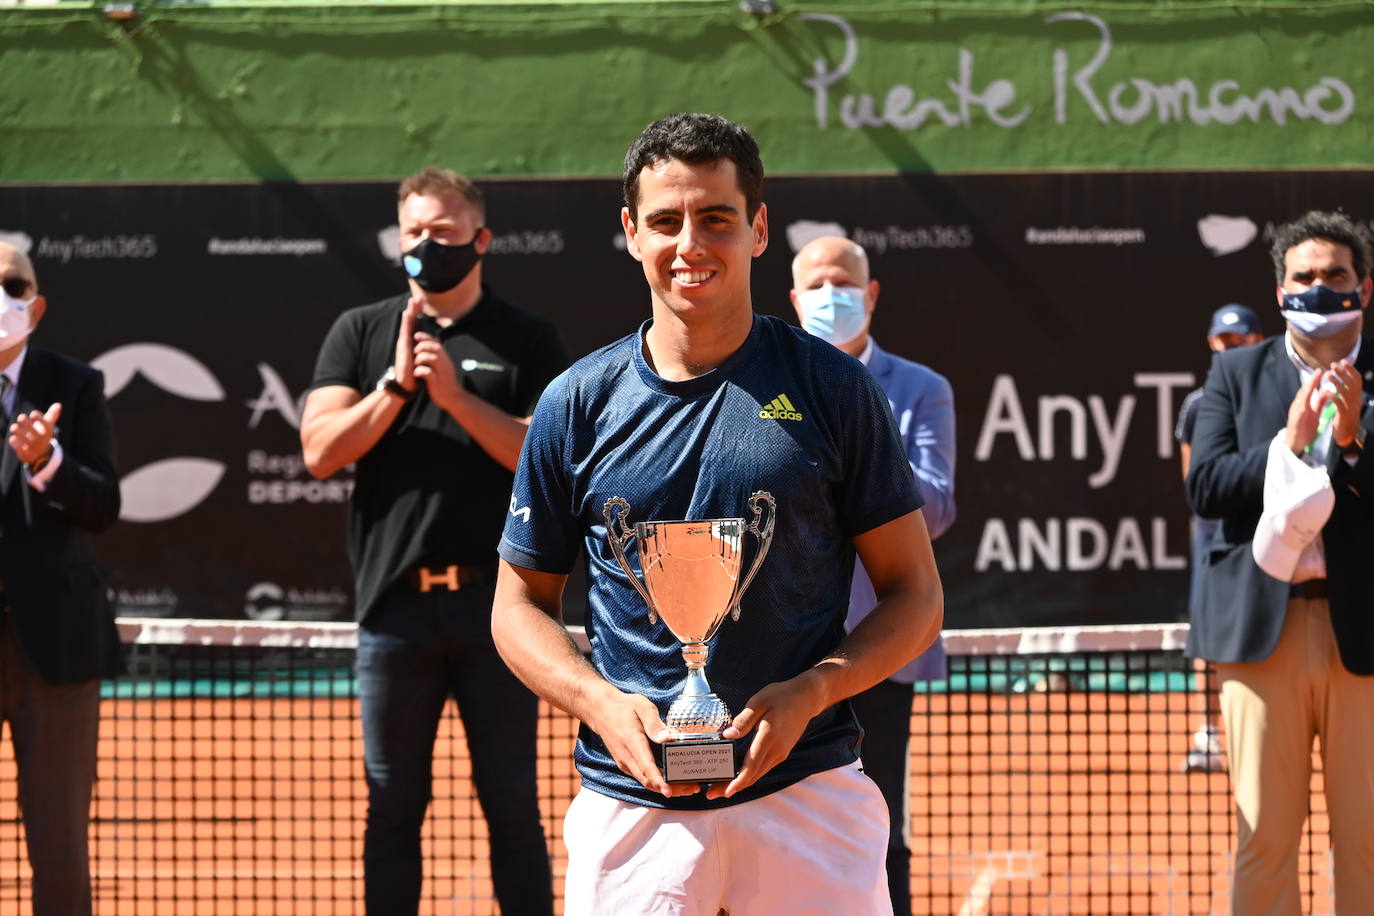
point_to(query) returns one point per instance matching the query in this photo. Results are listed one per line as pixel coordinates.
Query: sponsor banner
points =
(828, 87)
(253, 246)
(272, 601)
(1067, 310)
(1085, 235)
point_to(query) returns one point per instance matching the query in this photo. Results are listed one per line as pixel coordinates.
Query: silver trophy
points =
(691, 580)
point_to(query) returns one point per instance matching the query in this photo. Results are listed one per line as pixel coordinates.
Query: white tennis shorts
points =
(817, 847)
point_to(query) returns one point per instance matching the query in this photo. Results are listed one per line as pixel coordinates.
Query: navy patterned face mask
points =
(1320, 311)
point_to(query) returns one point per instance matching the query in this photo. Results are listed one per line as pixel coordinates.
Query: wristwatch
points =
(1356, 446)
(389, 382)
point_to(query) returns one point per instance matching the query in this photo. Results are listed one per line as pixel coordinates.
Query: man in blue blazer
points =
(835, 297)
(57, 633)
(1289, 618)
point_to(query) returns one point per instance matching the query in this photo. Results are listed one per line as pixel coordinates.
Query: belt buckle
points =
(450, 578)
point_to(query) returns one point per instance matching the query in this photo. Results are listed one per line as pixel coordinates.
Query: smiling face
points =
(695, 240)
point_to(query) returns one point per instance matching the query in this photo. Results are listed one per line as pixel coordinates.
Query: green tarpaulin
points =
(238, 91)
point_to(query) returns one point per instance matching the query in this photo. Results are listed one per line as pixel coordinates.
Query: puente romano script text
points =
(1076, 87)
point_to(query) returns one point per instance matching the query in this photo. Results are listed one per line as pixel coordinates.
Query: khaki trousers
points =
(1272, 709)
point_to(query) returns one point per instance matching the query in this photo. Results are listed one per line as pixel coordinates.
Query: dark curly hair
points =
(696, 139)
(1335, 228)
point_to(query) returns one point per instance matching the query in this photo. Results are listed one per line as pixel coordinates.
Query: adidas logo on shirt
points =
(780, 409)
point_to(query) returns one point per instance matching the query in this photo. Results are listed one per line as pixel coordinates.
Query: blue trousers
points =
(415, 650)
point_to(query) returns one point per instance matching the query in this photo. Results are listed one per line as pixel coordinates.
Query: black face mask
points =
(438, 268)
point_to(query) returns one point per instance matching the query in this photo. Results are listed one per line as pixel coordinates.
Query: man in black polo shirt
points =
(430, 394)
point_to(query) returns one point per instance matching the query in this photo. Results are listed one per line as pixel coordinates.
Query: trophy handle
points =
(763, 531)
(618, 542)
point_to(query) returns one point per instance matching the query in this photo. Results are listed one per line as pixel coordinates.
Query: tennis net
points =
(1047, 776)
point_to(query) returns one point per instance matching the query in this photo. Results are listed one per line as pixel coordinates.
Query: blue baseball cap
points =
(1233, 319)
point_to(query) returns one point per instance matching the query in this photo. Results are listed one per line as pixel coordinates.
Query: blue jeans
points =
(414, 652)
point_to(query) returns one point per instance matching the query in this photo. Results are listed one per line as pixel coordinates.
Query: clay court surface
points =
(1035, 803)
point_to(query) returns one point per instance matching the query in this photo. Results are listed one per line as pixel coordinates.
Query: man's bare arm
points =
(339, 426)
(910, 610)
(498, 433)
(906, 620)
(527, 627)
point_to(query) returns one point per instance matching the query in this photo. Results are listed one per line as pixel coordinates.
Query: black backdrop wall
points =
(1068, 311)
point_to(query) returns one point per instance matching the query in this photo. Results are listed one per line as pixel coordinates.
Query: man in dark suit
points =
(57, 634)
(1288, 614)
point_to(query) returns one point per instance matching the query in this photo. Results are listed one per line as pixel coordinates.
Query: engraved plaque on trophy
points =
(692, 580)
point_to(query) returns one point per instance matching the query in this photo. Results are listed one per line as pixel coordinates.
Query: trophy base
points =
(708, 760)
(696, 752)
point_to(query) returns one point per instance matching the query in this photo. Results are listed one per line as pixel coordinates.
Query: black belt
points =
(1312, 588)
(449, 578)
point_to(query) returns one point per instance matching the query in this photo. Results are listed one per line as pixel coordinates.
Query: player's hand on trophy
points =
(777, 715)
(404, 360)
(434, 366)
(627, 724)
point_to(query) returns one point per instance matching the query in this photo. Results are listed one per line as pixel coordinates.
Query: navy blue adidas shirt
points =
(610, 426)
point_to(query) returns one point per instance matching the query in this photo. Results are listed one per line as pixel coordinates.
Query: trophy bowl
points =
(692, 580)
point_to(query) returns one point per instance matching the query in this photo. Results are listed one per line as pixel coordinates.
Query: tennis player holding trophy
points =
(708, 415)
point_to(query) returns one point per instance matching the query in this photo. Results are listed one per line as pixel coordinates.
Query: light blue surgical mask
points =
(835, 314)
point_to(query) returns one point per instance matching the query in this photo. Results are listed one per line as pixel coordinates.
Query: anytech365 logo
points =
(780, 408)
(804, 231)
